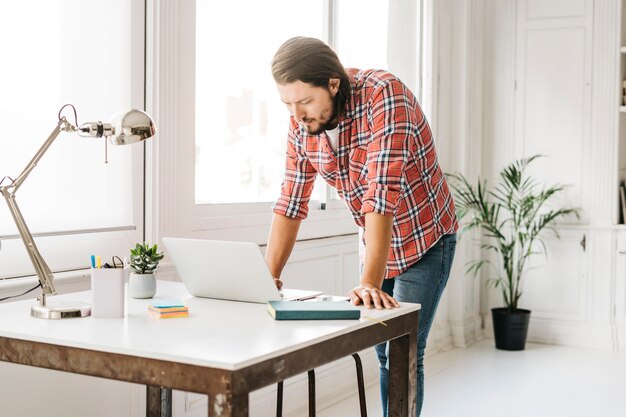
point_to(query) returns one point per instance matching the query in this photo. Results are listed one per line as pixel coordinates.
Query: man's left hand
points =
(371, 296)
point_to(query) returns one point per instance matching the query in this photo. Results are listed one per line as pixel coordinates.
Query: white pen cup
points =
(107, 288)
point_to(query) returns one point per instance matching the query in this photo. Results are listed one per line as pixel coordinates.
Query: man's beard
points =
(330, 124)
(322, 128)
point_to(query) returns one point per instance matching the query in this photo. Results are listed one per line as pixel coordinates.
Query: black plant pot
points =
(510, 329)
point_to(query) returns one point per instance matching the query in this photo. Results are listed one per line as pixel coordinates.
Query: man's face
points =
(311, 106)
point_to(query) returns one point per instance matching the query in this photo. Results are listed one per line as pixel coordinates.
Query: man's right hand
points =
(280, 242)
(278, 282)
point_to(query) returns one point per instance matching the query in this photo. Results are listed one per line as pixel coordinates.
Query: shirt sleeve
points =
(392, 124)
(299, 178)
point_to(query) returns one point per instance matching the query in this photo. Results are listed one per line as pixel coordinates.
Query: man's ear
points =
(333, 85)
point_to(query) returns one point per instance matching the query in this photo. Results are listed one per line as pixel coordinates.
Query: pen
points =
(98, 262)
(93, 261)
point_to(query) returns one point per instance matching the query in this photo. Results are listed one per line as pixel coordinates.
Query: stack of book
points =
(622, 199)
(166, 309)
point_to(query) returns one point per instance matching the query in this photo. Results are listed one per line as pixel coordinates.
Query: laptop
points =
(227, 270)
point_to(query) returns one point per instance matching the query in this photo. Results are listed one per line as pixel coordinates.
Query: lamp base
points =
(61, 310)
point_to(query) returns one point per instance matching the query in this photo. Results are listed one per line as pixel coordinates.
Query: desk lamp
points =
(125, 128)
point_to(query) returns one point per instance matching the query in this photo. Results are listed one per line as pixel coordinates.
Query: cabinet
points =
(553, 117)
(563, 90)
(553, 102)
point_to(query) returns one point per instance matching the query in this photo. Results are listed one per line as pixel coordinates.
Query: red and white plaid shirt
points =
(385, 163)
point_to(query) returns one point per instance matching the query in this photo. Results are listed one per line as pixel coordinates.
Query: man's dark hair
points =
(313, 62)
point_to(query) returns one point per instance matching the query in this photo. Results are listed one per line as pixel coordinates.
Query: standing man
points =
(364, 132)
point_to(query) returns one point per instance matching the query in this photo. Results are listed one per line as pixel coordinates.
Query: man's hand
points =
(371, 296)
(278, 282)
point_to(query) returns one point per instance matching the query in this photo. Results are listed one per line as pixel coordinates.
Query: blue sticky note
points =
(162, 303)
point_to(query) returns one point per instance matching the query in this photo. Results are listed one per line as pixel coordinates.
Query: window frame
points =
(177, 214)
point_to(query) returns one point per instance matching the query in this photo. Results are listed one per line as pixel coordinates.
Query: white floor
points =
(543, 380)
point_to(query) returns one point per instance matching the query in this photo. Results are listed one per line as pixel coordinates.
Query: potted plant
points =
(512, 217)
(144, 260)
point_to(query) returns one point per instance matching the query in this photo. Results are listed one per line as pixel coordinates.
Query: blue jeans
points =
(422, 283)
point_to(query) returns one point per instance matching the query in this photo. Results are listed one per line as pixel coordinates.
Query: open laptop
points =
(227, 270)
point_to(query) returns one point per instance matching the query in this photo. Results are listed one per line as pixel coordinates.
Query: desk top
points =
(220, 334)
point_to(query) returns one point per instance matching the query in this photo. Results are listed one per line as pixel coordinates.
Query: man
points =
(365, 134)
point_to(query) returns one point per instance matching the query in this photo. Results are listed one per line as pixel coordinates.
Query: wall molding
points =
(466, 332)
(566, 333)
(619, 337)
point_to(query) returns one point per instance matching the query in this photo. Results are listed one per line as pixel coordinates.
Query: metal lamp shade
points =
(131, 126)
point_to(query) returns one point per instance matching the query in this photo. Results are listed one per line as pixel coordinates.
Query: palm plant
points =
(512, 216)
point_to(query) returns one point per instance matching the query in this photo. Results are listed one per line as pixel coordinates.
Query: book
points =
(622, 198)
(313, 310)
(169, 315)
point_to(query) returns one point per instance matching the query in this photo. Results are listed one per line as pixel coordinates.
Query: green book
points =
(313, 310)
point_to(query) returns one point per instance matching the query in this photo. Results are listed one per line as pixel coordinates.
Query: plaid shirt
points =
(385, 163)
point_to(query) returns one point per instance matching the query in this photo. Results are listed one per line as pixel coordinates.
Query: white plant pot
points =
(141, 285)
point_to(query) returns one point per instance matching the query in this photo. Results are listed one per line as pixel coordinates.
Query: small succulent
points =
(144, 258)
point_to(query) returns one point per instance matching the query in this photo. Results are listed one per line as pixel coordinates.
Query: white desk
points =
(223, 349)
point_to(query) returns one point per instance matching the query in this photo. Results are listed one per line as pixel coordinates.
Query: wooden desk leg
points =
(221, 406)
(403, 376)
(158, 402)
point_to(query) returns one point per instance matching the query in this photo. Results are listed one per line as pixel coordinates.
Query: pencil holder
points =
(107, 288)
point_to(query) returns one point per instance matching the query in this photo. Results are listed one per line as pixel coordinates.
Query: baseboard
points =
(566, 333)
(466, 332)
(439, 339)
(619, 336)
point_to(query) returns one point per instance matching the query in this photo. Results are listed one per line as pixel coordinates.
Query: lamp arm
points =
(41, 267)
(8, 191)
(62, 126)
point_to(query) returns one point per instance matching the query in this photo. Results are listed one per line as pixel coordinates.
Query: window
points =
(380, 34)
(238, 138)
(90, 55)
(361, 39)
(240, 120)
